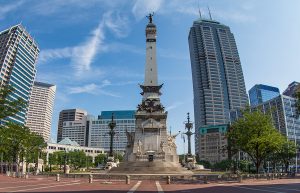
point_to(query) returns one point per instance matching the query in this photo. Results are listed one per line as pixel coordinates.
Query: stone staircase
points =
(146, 167)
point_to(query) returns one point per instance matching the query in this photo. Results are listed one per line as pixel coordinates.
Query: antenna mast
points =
(199, 10)
(209, 13)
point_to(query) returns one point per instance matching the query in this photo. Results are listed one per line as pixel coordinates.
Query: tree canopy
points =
(8, 105)
(16, 140)
(255, 135)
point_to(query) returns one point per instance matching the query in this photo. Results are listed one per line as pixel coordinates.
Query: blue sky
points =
(94, 51)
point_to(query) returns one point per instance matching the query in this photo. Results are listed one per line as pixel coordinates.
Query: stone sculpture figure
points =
(130, 138)
(162, 146)
(139, 143)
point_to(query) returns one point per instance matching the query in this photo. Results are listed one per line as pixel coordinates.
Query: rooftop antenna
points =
(199, 10)
(209, 13)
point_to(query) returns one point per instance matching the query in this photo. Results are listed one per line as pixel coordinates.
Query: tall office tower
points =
(68, 115)
(260, 93)
(125, 121)
(292, 89)
(41, 108)
(18, 56)
(218, 80)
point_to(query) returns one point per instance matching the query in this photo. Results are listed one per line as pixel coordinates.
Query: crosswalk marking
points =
(159, 188)
(135, 187)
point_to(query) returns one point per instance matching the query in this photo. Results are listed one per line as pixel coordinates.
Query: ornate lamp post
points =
(111, 125)
(189, 133)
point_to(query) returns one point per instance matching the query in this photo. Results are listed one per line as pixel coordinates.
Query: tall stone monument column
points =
(150, 149)
(151, 141)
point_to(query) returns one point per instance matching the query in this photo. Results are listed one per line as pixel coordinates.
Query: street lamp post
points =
(111, 125)
(189, 133)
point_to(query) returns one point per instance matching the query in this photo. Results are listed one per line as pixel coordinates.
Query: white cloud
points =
(174, 106)
(117, 23)
(93, 89)
(83, 55)
(143, 7)
(5, 9)
(89, 88)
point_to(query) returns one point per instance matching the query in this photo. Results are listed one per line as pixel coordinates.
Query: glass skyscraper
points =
(18, 56)
(218, 80)
(260, 93)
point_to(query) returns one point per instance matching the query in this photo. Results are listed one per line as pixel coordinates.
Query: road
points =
(70, 185)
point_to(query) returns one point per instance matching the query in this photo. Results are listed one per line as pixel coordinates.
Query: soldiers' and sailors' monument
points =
(150, 149)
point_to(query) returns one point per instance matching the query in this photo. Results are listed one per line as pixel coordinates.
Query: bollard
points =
(168, 180)
(90, 178)
(14, 174)
(57, 177)
(205, 179)
(240, 178)
(26, 176)
(127, 179)
(8, 173)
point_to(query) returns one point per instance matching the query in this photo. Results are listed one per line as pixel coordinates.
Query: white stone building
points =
(69, 145)
(41, 109)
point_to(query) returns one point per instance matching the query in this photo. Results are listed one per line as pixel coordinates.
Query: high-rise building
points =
(99, 137)
(292, 89)
(260, 93)
(69, 115)
(218, 81)
(41, 109)
(18, 56)
(76, 131)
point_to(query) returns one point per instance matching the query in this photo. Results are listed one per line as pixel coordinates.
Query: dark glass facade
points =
(260, 93)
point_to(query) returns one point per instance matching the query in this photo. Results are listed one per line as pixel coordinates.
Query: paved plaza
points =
(81, 185)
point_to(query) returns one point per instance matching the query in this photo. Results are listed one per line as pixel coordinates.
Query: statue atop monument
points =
(150, 17)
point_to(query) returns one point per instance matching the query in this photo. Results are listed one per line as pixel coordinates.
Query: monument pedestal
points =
(146, 167)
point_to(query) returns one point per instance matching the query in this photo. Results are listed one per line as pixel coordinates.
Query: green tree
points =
(100, 159)
(9, 106)
(255, 135)
(77, 159)
(118, 156)
(52, 160)
(59, 158)
(89, 162)
(33, 147)
(287, 153)
(223, 165)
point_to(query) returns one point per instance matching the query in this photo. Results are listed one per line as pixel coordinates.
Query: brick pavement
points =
(81, 185)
